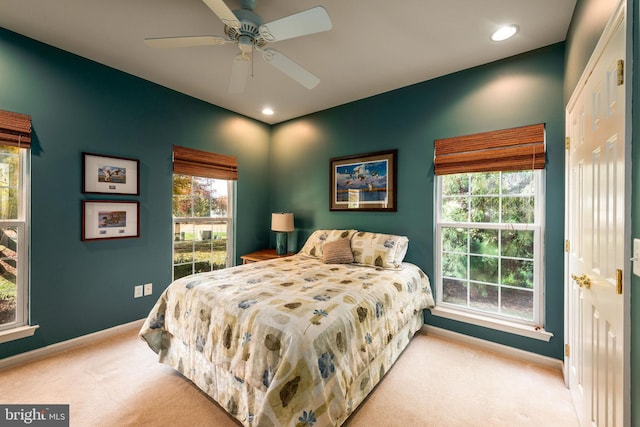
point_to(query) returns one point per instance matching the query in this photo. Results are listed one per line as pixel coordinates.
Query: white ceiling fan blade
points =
(310, 21)
(239, 73)
(187, 41)
(290, 68)
(223, 12)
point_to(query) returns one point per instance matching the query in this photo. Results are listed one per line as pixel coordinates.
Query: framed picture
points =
(110, 175)
(364, 182)
(110, 219)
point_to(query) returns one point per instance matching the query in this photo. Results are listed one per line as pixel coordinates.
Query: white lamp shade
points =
(282, 222)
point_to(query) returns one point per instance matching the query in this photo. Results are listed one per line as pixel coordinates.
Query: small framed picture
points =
(110, 219)
(363, 182)
(110, 175)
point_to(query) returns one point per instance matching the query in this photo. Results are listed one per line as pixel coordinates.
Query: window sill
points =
(497, 324)
(17, 333)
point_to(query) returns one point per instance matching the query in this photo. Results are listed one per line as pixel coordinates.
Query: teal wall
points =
(78, 105)
(522, 90)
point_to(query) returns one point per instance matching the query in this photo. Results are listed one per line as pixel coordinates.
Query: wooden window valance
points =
(15, 129)
(520, 148)
(188, 161)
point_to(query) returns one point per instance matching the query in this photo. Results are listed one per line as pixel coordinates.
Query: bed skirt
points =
(246, 403)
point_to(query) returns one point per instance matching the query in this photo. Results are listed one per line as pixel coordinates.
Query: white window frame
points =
(533, 328)
(21, 328)
(229, 220)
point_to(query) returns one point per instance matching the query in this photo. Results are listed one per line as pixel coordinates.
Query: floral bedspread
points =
(286, 342)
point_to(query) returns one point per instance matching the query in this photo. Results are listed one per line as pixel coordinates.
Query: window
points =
(489, 228)
(489, 243)
(202, 224)
(15, 138)
(203, 200)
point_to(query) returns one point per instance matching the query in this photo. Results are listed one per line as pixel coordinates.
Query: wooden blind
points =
(520, 148)
(188, 161)
(15, 129)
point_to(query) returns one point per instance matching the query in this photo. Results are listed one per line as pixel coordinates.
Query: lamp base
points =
(281, 243)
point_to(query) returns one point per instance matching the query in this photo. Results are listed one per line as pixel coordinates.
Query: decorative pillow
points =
(379, 250)
(337, 252)
(313, 246)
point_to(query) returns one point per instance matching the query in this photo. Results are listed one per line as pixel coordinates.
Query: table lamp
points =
(281, 223)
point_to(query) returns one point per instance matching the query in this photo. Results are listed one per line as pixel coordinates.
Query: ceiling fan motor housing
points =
(248, 34)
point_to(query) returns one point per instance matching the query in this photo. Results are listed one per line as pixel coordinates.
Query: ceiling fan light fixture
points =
(505, 32)
(245, 43)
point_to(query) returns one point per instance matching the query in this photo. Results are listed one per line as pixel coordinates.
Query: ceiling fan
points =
(246, 28)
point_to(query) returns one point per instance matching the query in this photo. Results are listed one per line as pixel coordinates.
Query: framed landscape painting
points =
(363, 182)
(110, 219)
(110, 175)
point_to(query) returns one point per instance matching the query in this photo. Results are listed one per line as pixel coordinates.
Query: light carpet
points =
(436, 382)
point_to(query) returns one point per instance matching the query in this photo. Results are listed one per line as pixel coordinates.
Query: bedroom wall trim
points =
(497, 324)
(495, 347)
(17, 333)
(68, 345)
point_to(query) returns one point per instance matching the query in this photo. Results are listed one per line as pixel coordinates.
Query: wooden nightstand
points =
(261, 255)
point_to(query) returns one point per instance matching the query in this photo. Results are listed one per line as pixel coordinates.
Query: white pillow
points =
(379, 250)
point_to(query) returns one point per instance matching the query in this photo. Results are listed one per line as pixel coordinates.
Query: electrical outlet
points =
(636, 257)
(137, 291)
(148, 289)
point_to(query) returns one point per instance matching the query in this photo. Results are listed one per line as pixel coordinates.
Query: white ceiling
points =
(374, 46)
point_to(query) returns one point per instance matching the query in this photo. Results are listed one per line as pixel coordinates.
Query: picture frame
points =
(110, 219)
(110, 175)
(364, 182)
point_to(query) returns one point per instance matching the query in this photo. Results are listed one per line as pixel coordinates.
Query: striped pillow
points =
(337, 252)
(313, 245)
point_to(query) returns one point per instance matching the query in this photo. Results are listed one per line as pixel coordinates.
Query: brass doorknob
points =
(582, 280)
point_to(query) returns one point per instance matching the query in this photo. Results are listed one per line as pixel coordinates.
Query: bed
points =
(299, 340)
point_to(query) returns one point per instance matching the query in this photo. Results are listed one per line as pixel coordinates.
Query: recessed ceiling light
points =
(267, 111)
(504, 33)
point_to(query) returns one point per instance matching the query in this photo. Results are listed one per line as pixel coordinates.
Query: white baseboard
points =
(137, 324)
(495, 347)
(67, 345)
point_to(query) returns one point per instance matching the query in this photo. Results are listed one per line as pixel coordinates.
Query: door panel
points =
(595, 215)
